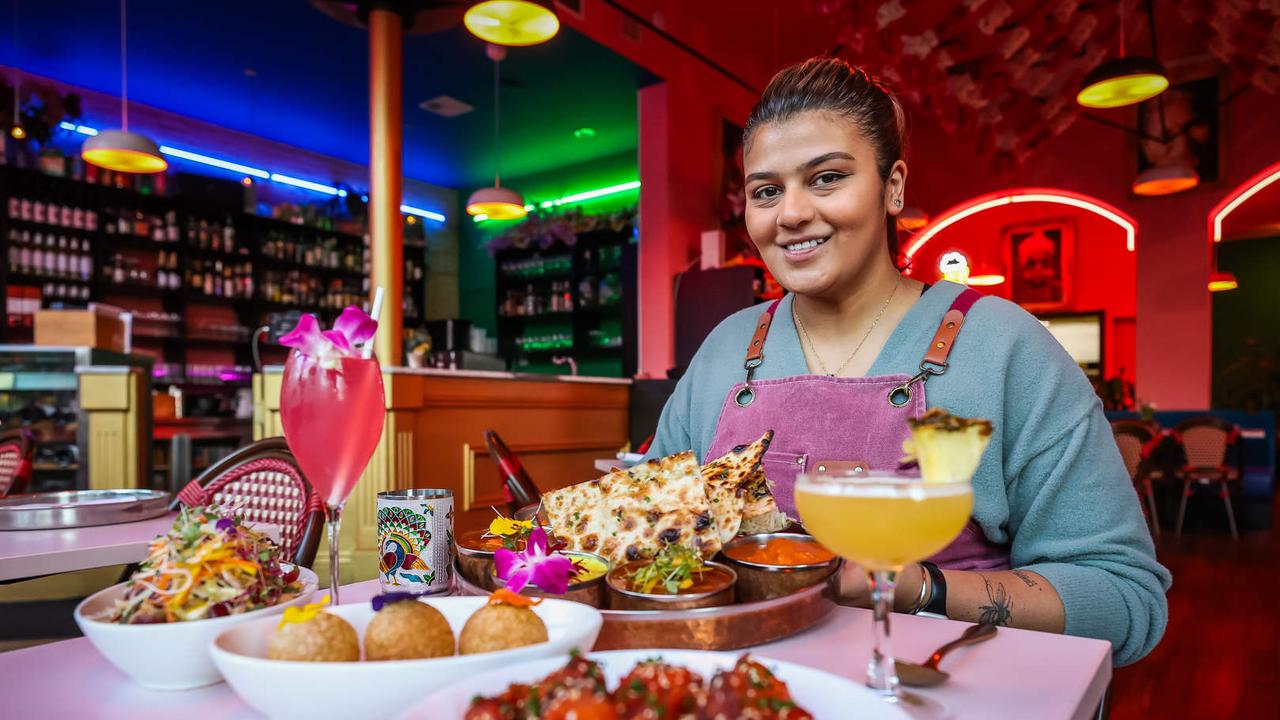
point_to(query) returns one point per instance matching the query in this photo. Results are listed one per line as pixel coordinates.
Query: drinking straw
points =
(375, 313)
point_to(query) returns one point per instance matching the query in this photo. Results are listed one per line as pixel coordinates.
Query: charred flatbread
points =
(728, 479)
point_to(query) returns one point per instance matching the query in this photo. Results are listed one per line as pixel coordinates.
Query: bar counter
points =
(434, 438)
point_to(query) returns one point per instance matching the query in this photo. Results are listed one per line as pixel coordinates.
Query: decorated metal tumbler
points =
(415, 541)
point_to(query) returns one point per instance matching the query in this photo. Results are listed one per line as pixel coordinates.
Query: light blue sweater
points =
(1051, 482)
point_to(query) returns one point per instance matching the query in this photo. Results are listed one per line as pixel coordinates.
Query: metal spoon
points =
(928, 674)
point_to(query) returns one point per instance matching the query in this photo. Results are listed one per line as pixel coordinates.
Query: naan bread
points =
(727, 481)
(627, 515)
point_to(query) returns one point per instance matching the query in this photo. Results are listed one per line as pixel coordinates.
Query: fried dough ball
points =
(323, 638)
(500, 627)
(407, 631)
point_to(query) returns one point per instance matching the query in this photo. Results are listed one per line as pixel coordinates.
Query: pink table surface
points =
(27, 553)
(1017, 674)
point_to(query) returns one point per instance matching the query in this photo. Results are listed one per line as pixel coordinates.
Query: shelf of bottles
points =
(564, 301)
(198, 276)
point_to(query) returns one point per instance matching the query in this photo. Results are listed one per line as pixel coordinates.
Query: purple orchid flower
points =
(534, 566)
(352, 328)
(381, 601)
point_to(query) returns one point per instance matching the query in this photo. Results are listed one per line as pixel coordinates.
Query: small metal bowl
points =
(590, 592)
(759, 581)
(622, 597)
(475, 558)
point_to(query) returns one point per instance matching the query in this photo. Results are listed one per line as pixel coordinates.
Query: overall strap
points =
(935, 357)
(755, 353)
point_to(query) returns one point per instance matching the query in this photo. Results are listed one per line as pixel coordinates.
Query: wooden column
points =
(385, 124)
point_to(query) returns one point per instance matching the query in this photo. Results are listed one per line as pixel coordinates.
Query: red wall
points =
(1099, 272)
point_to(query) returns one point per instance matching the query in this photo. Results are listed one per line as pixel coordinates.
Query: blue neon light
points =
(215, 162)
(410, 210)
(258, 173)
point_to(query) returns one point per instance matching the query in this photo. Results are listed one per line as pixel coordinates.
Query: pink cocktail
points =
(332, 420)
(332, 408)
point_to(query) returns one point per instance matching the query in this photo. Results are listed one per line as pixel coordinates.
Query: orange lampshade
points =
(1165, 180)
(912, 218)
(986, 279)
(496, 203)
(1222, 281)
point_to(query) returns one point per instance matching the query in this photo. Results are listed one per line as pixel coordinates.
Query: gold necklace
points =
(821, 365)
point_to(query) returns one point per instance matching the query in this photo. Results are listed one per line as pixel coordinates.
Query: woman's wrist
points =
(912, 590)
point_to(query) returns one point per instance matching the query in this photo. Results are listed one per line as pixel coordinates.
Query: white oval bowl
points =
(381, 689)
(167, 656)
(826, 696)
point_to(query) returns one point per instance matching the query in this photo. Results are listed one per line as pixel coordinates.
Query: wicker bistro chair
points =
(16, 451)
(265, 484)
(518, 488)
(1136, 441)
(1211, 446)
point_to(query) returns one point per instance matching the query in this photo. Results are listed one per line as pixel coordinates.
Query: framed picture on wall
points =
(1180, 127)
(1040, 263)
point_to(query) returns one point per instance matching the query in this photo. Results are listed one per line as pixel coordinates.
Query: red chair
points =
(518, 488)
(16, 450)
(1135, 439)
(1211, 446)
(264, 483)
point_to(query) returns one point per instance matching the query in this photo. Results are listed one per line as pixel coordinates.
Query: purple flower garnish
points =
(226, 525)
(385, 599)
(352, 328)
(548, 572)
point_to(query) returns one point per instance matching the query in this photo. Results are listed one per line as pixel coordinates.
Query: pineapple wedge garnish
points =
(947, 448)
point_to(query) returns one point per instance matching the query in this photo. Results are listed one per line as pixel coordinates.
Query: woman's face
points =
(815, 202)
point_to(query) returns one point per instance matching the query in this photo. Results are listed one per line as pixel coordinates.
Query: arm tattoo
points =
(1025, 577)
(1000, 611)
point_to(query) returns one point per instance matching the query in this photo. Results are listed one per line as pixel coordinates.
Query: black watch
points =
(937, 603)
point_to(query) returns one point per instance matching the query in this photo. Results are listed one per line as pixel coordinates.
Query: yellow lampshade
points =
(496, 203)
(986, 280)
(1222, 281)
(511, 22)
(1121, 82)
(123, 151)
(1165, 180)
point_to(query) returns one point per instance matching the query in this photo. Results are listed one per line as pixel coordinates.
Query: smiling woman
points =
(1056, 540)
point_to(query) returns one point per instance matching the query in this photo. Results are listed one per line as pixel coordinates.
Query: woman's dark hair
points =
(833, 85)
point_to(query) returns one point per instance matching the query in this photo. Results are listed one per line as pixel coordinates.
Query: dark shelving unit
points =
(593, 256)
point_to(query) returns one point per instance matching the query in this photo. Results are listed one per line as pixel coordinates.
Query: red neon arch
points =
(1001, 198)
(1238, 197)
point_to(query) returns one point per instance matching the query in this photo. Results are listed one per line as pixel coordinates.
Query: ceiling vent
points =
(445, 106)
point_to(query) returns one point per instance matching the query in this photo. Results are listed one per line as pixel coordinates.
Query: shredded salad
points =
(208, 565)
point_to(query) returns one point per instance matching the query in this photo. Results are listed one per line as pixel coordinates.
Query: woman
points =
(1057, 541)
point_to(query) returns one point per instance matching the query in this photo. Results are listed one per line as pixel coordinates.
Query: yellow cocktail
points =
(882, 521)
(884, 526)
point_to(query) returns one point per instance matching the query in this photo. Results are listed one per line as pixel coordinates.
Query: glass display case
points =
(79, 402)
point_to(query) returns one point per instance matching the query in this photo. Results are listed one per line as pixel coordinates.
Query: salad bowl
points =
(173, 655)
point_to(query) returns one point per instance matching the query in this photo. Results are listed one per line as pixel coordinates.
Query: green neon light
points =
(575, 198)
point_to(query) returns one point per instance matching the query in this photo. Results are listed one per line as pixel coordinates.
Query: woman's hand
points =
(855, 592)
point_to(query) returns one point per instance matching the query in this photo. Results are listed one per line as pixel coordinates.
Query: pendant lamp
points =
(1165, 180)
(122, 150)
(16, 131)
(1125, 80)
(497, 202)
(1222, 281)
(511, 22)
(912, 218)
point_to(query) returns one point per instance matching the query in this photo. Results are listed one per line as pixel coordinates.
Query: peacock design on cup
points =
(403, 540)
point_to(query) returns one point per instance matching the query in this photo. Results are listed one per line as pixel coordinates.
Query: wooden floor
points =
(1220, 657)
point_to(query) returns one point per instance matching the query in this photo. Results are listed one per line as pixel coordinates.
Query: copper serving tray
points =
(729, 627)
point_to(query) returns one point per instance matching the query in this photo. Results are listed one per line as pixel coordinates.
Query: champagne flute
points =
(883, 521)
